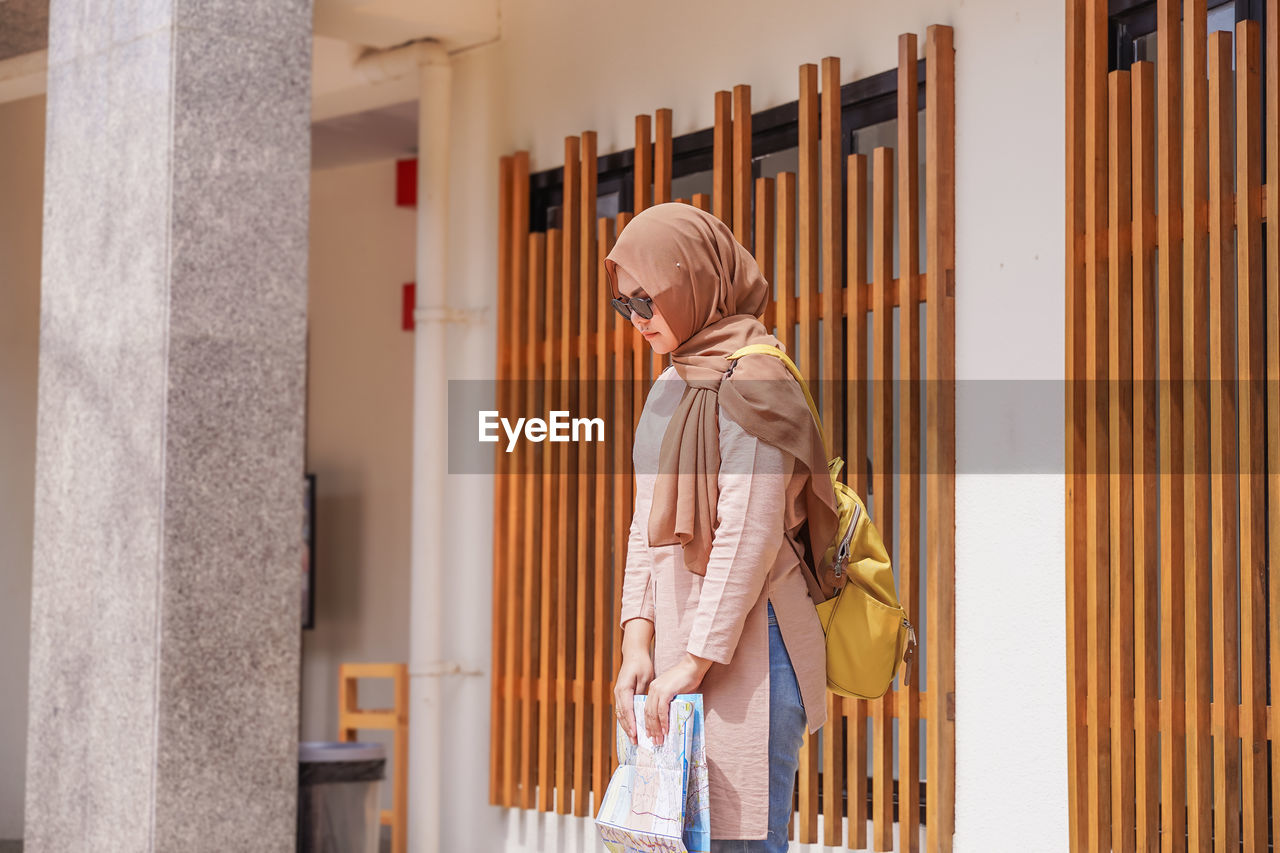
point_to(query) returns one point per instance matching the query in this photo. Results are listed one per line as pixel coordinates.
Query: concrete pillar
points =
(168, 505)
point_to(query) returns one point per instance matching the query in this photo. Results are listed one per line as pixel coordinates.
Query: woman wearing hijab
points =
(733, 501)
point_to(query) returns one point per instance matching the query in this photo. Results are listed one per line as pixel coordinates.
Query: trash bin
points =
(338, 807)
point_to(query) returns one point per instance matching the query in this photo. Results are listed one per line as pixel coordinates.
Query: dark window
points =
(868, 118)
(1132, 30)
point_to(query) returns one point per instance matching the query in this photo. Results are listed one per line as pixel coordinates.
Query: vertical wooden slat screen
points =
(1171, 733)
(561, 517)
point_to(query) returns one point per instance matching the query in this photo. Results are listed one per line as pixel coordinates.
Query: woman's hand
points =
(635, 672)
(684, 677)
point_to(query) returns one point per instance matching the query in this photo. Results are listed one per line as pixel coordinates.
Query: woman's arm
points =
(637, 580)
(750, 528)
(637, 616)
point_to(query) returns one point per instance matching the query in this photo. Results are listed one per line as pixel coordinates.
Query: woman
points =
(719, 558)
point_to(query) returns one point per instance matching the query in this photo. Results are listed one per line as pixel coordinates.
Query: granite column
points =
(168, 505)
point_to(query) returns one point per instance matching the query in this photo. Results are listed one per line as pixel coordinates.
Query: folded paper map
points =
(656, 801)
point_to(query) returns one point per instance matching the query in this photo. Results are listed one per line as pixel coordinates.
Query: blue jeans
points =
(787, 725)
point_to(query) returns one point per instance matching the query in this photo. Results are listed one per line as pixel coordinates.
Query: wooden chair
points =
(352, 718)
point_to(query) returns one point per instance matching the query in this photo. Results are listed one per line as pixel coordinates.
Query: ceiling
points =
(24, 24)
(356, 118)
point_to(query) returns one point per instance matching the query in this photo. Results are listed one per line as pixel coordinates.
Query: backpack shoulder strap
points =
(795, 371)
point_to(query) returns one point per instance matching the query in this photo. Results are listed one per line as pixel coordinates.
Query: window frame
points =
(1129, 20)
(863, 103)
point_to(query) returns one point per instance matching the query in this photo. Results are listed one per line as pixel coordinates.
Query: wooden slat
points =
(742, 226)
(1251, 368)
(831, 246)
(1272, 51)
(554, 555)
(661, 159)
(856, 304)
(643, 188)
(565, 605)
(1077, 766)
(1173, 786)
(529, 271)
(1195, 260)
(641, 359)
(806, 358)
(1119, 479)
(722, 160)
(379, 720)
(607, 544)
(623, 483)
(352, 719)
(807, 224)
(1146, 549)
(765, 225)
(588, 300)
(501, 770)
(907, 560)
(785, 254)
(400, 764)
(520, 581)
(940, 163)
(501, 776)
(832, 309)
(1222, 443)
(1097, 527)
(882, 499)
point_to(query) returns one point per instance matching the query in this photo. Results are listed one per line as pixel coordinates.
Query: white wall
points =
(359, 419)
(21, 206)
(562, 68)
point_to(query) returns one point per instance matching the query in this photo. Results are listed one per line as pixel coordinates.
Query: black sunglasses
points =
(640, 304)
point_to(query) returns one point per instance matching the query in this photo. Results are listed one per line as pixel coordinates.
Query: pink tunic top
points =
(723, 615)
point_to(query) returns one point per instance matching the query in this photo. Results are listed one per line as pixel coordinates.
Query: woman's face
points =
(655, 329)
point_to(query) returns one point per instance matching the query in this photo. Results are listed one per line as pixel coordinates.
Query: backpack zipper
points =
(842, 553)
(909, 653)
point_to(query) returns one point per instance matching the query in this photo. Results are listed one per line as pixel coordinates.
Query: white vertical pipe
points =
(430, 457)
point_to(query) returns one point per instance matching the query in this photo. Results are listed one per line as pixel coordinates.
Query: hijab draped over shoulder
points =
(711, 292)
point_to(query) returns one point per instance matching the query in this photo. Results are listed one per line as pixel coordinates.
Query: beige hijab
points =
(712, 294)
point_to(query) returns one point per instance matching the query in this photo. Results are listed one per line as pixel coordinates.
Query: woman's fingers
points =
(655, 712)
(624, 702)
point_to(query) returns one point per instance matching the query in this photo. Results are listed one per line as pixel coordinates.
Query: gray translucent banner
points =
(1006, 426)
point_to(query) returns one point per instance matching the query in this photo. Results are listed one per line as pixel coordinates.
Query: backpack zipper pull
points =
(909, 653)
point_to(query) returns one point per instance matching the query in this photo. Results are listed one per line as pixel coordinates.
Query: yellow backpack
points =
(868, 633)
